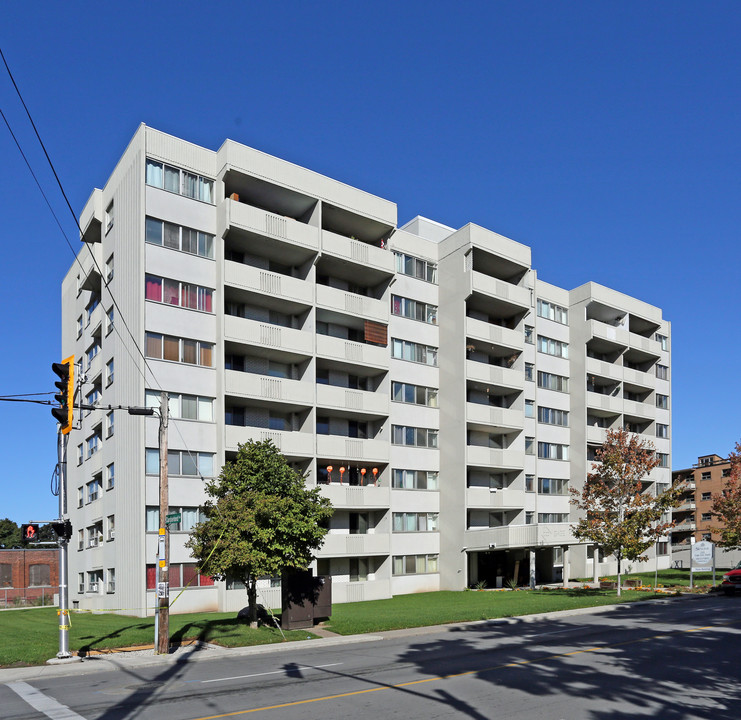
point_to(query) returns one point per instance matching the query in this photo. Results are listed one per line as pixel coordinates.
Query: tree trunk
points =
(619, 558)
(252, 600)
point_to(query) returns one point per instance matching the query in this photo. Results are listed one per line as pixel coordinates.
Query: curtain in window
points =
(154, 174)
(153, 231)
(190, 352)
(205, 409)
(153, 288)
(172, 179)
(153, 345)
(172, 348)
(171, 292)
(172, 236)
(206, 351)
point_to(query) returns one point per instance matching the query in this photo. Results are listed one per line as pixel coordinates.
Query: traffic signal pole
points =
(63, 545)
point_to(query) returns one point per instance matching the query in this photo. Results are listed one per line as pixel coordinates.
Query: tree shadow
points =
(83, 650)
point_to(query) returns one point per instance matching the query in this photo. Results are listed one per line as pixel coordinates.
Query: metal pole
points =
(163, 588)
(63, 542)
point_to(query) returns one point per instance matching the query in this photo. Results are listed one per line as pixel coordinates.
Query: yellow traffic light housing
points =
(66, 395)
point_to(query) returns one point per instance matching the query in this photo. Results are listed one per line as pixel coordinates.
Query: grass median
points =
(30, 636)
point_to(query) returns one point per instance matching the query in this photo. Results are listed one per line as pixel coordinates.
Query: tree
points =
(727, 505)
(260, 519)
(10, 533)
(619, 517)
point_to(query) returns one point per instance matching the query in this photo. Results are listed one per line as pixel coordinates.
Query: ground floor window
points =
(181, 575)
(414, 564)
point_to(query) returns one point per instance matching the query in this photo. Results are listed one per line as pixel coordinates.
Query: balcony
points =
(352, 401)
(234, 214)
(495, 375)
(264, 335)
(639, 378)
(487, 498)
(609, 403)
(647, 345)
(352, 304)
(512, 294)
(268, 283)
(596, 435)
(494, 334)
(494, 417)
(347, 496)
(262, 387)
(339, 545)
(338, 446)
(614, 336)
(512, 536)
(360, 253)
(293, 444)
(333, 348)
(646, 410)
(604, 369)
(493, 458)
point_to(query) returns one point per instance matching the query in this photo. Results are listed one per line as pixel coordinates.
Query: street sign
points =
(163, 590)
(702, 555)
(172, 518)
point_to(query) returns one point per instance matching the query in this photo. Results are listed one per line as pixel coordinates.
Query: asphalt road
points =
(666, 659)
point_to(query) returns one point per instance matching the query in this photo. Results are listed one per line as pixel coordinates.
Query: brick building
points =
(29, 574)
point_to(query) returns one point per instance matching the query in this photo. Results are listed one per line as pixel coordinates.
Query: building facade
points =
(442, 396)
(28, 576)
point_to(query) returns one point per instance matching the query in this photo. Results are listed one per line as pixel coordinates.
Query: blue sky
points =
(604, 135)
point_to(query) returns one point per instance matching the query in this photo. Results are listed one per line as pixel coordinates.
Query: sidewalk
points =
(144, 656)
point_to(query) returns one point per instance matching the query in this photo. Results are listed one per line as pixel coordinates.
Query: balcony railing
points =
(510, 536)
(360, 253)
(346, 496)
(252, 332)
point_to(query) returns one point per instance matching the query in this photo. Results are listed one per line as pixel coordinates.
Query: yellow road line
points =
(518, 663)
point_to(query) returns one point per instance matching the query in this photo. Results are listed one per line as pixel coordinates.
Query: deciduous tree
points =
(10, 533)
(619, 516)
(727, 505)
(260, 519)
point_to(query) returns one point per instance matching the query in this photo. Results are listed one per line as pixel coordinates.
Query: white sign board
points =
(702, 555)
(163, 590)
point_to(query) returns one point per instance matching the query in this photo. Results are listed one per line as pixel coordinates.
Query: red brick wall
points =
(20, 562)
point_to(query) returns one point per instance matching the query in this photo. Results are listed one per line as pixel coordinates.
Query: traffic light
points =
(63, 529)
(66, 395)
(30, 533)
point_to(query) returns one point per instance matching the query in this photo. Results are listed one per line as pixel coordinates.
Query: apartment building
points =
(442, 396)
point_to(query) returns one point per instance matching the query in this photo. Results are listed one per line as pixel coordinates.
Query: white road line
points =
(43, 703)
(553, 632)
(274, 672)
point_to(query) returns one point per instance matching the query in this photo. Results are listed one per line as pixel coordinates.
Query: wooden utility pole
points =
(163, 587)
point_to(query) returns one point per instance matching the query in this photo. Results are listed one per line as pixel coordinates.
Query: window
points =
(166, 347)
(553, 347)
(705, 475)
(554, 312)
(79, 326)
(39, 575)
(663, 340)
(111, 523)
(413, 309)
(553, 451)
(529, 372)
(529, 408)
(80, 539)
(414, 352)
(189, 518)
(663, 459)
(414, 522)
(706, 496)
(549, 381)
(415, 479)
(109, 269)
(80, 454)
(109, 217)
(109, 424)
(93, 490)
(553, 517)
(529, 483)
(93, 444)
(706, 517)
(81, 583)
(95, 535)
(90, 309)
(91, 353)
(529, 334)
(172, 179)
(662, 401)
(529, 517)
(92, 397)
(176, 237)
(414, 267)
(414, 564)
(662, 431)
(529, 446)
(110, 477)
(553, 486)
(95, 581)
(358, 569)
(413, 394)
(180, 462)
(109, 321)
(184, 407)
(80, 496)
(662, 548)
(726, 472)
(6, 575)
(109, 372)
(662, 372)
(111, 580)
(413, 436)
(551, 416)
(180, 294)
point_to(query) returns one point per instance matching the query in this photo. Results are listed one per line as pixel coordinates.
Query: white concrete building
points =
(454, 396)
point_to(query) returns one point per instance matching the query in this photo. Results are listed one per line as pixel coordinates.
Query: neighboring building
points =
(28, 576)
(455, 397)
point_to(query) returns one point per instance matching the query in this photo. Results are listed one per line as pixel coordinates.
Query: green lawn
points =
(437, 608)
(30, 637)
(670, 578)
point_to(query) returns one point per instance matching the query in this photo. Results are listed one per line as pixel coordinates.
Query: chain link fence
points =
(27, 597)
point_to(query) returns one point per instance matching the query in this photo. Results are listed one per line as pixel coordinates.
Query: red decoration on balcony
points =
(362, 475)
(342, 472)
(329, 473)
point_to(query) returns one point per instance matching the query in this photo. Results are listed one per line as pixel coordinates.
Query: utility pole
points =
(163, 586)
(64, 624)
